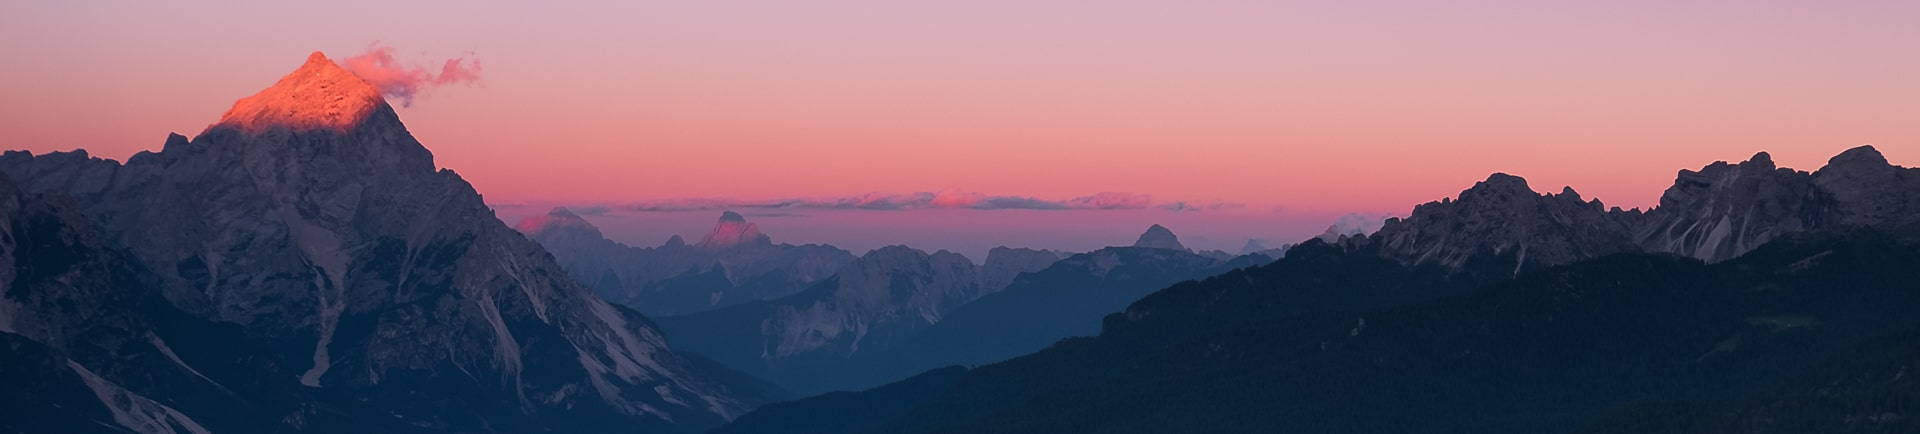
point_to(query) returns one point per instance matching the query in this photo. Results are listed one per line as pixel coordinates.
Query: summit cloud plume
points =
(919, 200)
(403, 82)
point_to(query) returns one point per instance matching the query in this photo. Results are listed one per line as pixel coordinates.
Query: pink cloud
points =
(395, 80)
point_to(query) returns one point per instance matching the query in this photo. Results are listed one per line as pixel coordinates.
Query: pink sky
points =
(1300, 111)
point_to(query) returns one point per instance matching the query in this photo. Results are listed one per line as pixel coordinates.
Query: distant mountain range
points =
(1755, 299)
(302, 266)
(1066, 299)
(889, 314)
(734, 263)
(897, 311)
(878, 301)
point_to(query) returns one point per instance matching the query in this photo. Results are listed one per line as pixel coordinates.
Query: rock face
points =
(1159, 237)
(88, 343)
(312, 218)
(1725, 210)
(1717, 213)
(1866, 190)
(871, 304)
(679, 279)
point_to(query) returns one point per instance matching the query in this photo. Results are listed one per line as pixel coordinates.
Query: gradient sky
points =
(1299, 111)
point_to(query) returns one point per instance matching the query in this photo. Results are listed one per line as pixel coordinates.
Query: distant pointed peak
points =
(1762, 157)
(1254, 245)
(1159, 237)
(732, 230)
(563, 212)
(560, 218)
(676, 241)
(320, 95)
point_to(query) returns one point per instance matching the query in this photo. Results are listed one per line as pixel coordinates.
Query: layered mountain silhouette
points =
(874, 303)
(879, 321)
(734, 263)
(1765, 300)
(302, 262)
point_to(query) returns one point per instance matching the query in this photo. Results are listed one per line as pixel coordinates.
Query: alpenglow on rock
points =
(312, 218)
(732, 231)
(1159, 237)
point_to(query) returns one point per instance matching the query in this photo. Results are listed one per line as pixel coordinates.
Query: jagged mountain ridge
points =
(310, 216)
(1714, 214)
(1502, 216)
(678, 279)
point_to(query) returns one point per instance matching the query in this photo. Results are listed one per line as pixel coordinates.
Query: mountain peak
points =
(1254, 245)
(732, 230)
(320, 95)
(1502, 182)
(1159, 237)
(558, 219)
(1861, 155)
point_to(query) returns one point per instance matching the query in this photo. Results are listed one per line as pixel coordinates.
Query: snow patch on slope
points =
(168, 351)
(322, 249)
(136, 412)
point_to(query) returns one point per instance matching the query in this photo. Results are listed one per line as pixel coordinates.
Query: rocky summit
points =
(732, 231)
(1159, 237)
